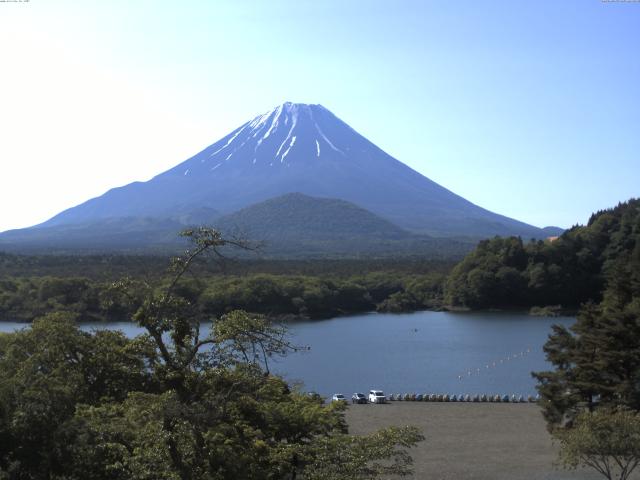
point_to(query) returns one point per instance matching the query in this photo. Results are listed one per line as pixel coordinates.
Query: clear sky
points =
(528, 108)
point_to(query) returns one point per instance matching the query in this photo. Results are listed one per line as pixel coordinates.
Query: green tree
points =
(606, 441)
(569, 271)
(591, 398)
(597, 362)
(49, 369)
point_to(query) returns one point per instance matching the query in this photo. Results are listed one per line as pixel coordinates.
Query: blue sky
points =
(529, 109)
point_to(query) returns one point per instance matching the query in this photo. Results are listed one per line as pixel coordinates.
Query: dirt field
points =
(479, 441)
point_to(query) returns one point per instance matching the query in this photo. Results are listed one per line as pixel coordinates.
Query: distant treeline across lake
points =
(504, 273)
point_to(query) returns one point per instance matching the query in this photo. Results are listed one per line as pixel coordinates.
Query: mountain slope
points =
(290, 226)
(553, 231)
(299, 148)
(111, 234)
(299, 225)
(298, 216)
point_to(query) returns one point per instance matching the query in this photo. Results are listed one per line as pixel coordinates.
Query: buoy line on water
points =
(494, 364)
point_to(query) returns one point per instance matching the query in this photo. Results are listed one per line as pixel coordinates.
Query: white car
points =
(338, 397)
(377, 396)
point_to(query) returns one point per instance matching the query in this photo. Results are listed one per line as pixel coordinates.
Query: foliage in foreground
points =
(591, 398)
(597, 363)
(175, 403)
(607, 441)
(597, 360)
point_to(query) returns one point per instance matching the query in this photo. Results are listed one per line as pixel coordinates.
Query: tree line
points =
(568, 271)
(26, 298)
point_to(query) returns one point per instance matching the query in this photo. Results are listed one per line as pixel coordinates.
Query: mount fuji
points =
(297, 148)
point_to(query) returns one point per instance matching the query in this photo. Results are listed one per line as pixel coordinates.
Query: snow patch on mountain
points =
(324, 137)
(230, 140)
(293, 141)
(274, 122)
(277, 134)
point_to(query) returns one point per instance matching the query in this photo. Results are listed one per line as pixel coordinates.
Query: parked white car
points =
(338, 397)
(377, 396)
(358, 398)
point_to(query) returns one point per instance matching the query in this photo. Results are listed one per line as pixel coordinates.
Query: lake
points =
(422, 352)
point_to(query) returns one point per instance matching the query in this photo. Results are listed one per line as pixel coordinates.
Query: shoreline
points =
(293, 318)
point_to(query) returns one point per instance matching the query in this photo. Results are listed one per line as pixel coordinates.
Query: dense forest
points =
(32, 286)
(568, 271)
(499, 273)
(116, 266)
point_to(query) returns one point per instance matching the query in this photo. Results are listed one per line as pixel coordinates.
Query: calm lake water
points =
(422, 352)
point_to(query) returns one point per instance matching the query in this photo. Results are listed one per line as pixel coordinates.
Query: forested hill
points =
(299, 226)
(569, 271)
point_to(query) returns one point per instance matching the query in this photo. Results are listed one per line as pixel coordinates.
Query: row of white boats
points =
(434, 397)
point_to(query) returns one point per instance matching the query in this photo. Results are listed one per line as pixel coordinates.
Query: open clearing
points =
(479, 441)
